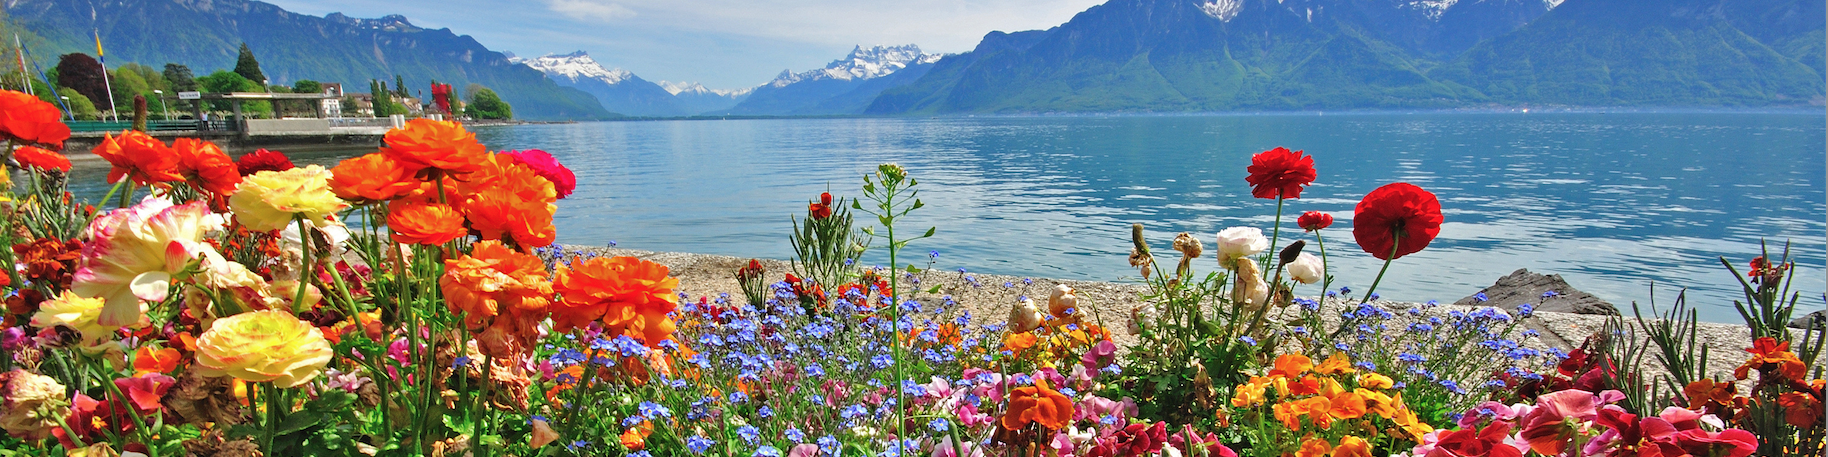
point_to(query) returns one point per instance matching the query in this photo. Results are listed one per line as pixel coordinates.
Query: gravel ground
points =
(703, 274)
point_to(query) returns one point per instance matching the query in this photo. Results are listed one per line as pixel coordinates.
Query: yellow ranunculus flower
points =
(267, 200)
(261, 346)
(78, 313)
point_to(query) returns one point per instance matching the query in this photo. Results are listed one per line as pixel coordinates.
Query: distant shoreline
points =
(1809, 110)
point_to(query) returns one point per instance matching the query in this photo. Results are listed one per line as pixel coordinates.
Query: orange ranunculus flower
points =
(32, 121)
(1291, 366)
(500, 292)
(1338, 363)
(509, 200)
(629, 295)
(205, 166)
(1768, 351)
(1037, 404)
(43, 159)
(138, 156)
(1315, 447)
(414, 222)
(435, 145)
(1352, 446)
(147, 360)
(374, 177)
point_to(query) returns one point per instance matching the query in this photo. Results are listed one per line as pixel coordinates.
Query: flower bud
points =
(1062, 301)
(1189, 246)
(1024, 316)
(1288, 253)
(1306, 269)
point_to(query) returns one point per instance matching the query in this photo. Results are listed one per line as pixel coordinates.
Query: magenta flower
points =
(1548, 428)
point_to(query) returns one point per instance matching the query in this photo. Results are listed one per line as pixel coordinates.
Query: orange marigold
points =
(43, 159)
(1037, 404)
(629, 295)
(501, 292)
(138, 156)
(416, 222)
(205, 166)
(441, 146)
(510, 201)
(374, 177)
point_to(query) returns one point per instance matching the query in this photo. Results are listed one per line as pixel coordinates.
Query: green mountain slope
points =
(205, 36)
(1646, 52)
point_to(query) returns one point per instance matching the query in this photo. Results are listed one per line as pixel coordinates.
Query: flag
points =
(98, 47)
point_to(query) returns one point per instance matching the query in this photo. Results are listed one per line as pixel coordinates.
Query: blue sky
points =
(721, 43)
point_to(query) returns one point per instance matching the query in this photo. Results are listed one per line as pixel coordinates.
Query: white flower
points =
(1306, 269)
(1240, 242)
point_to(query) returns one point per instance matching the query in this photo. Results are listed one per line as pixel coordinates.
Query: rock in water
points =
(1522, 287)
(1818, 317)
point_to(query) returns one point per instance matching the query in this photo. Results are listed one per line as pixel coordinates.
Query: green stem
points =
(1394, 244)
(1326, 274)
(131, 186)
(111, 191)
(271, 395)
(1275, 235)
(901, 433)
(75, 438)
(305, 270)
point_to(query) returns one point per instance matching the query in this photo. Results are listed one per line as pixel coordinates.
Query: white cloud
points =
(604, 11)
(935, 25)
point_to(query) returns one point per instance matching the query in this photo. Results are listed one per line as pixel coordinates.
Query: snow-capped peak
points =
(1553, 3)
(862, 63)
(693, 88)
(1434, 8)
(574, 66)
(1223, 10)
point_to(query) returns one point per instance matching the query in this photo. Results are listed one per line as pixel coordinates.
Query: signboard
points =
(190, 95)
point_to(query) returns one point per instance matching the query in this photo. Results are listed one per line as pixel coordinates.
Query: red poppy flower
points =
(1279, 173)
(138, 156)
(263, 160)
(1399, 217)
(822, 209)
(205, 166)
(1314, 220)
(31, 121)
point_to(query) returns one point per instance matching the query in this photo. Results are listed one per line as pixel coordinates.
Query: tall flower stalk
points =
(894, 196)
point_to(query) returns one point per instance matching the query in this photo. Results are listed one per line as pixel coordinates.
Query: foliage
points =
(306, 86)
(484, 104)
(180, 77)
(824, 245)
(247, 67)
(79, 104)
(80, 72)
(226, 81)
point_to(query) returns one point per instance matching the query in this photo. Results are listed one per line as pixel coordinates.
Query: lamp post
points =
(66, 102)
(162, 106)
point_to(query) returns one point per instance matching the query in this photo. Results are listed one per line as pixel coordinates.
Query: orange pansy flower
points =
(205, 166)
(1338, 363)
(1291, 365)
(138, 156)
(1314, 447)
(147, 360)
(372, 177)
(635, 438)
(1347, 405)
(1373, 380)
(442, 146)
(1037, 404)
(1352, 446)
(629, 295)
(415, 222)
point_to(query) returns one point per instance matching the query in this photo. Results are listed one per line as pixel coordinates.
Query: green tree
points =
(484, 104)
(152, 76)
(79, 104)
(306, 86)
(180, 78)
(127, 84)
(247, 67)
(224, 82)
(400, 87)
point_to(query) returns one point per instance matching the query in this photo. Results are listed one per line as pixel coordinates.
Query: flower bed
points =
(410, 302)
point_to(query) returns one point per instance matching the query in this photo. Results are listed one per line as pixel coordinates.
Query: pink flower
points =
(543, 164)
(968, 415)
(1100, 355)
(1488, 410)
(135, 251)
(1548, 427)
(803, 450)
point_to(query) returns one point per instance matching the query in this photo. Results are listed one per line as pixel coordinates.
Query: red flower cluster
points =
(263, 160)
(1280, 173)
(1396, 220)
(822, 209)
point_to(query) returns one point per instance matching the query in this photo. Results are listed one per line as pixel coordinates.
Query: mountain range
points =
(1221, 55)
(1120, 56)
(205, 35)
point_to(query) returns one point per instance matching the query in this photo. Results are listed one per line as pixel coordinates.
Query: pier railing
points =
(151, 126)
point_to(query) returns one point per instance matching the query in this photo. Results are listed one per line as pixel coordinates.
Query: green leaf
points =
(911, 269)
(930, 231)
(933, 290)
(917, 204)
(299, 421)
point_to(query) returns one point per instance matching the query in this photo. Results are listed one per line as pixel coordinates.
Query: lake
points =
(1612, 202)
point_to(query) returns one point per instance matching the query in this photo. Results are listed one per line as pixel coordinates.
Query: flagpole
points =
(24, 75)
(109, 86)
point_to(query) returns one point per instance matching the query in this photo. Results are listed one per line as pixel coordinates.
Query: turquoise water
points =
(1612, 202)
